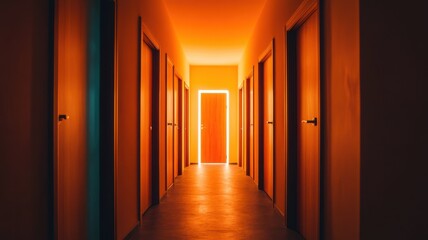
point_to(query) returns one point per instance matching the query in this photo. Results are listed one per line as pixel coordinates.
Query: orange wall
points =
(341, 146)
(342, 120)
(214, 78)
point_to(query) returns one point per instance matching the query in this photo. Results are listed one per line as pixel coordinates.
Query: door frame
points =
(303, 12)
(200, 92)
(269, 51)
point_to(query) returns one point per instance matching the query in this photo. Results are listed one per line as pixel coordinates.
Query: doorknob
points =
(63, 117)
(313, 121)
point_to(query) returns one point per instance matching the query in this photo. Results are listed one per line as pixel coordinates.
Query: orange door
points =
(213, 128)
(71, 193)
(170, 124)
(268, 126)
(146, 129)
(248, 147)
(241, 142)
(308, 111)
(186, 127)
(251, 127)
(176, 125)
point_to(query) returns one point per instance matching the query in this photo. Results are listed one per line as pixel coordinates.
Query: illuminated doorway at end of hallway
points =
(213, 126)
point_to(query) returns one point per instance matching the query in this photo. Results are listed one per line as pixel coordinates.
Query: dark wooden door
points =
(308, 132)
(268, 126)
(146, 126)
(213, 128)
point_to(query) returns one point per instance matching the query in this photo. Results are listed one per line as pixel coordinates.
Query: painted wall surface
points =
(25, 147)
(214, 78)
(393, 116)
(342, 120)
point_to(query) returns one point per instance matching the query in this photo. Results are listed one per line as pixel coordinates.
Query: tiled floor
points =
(214, 202)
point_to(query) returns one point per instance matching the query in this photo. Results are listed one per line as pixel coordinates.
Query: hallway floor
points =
(214, 202)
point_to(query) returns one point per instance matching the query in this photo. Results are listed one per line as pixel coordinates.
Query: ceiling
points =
(214, 32)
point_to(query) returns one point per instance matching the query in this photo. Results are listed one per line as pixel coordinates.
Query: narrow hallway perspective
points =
(214, 201)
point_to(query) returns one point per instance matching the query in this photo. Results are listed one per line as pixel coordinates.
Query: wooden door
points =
(308, 132)
(146, 127)
(251, 128)
(268, 125)
(71, 181)
(213, 128)
(249, 120)
(186, 127)
(177, 125)
(170, 123)
(241, 135)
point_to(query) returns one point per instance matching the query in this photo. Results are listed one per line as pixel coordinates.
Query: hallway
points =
(102, 119)
(213, 202)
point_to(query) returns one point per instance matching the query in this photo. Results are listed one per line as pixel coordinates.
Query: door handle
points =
(313, 121)
(269, 122)
(169, 124)
(63, 117)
